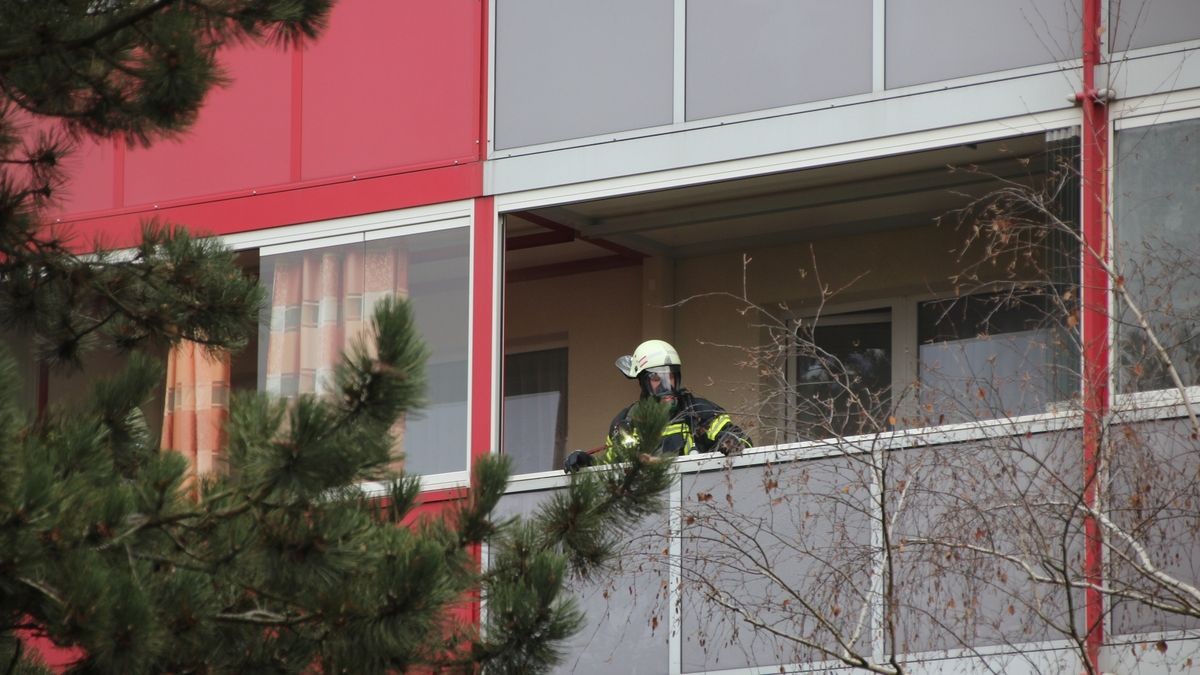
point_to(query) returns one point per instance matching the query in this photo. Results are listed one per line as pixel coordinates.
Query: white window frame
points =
(374, 227)
(1139, 114)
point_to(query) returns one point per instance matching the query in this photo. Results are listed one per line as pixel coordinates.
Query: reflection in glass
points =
(844, 375)
(320, 303)
(1158, 240)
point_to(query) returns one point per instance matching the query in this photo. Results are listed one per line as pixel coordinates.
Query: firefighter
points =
(696, 424)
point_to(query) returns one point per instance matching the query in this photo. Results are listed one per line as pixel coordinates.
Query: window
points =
(321, 294)
(535, 409)
(843, 374)
(988, 356)
(1156, 202)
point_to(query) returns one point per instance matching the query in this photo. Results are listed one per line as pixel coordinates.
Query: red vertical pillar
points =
(483, 293)
(483, 311)
(1095, 319)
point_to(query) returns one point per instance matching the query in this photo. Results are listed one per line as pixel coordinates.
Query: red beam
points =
(536, 240)
(545, 222)
(571, 267)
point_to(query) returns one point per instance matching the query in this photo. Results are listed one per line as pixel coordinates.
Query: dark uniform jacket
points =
(699, 426)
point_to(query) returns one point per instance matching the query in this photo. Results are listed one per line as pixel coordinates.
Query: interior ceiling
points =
(839, 200)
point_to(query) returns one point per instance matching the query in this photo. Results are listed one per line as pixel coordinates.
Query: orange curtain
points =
(197, 405)
(321, 301)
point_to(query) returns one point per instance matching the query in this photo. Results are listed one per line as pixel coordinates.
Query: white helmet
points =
(655, 364)
(649, 354)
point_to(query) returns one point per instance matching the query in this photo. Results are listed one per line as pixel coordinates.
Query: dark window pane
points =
(843, 375)
(535, 409)
(987, 356)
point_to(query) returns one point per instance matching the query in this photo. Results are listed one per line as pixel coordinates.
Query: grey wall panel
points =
(574, 68)
(768, 542)
(930, 40)
(1153, 499)
(627, 621)
(1147, 23)
(757, 54)
(1013, 496)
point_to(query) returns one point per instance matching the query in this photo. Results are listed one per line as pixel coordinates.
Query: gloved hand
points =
(577, 460)
(731, 443)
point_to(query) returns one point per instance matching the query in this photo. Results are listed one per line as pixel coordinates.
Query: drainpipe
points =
(1095, 318)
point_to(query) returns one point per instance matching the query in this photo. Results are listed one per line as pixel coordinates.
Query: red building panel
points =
(89, 175)
(392, 85)
(241, 139)
(87, 169)
(287, 206)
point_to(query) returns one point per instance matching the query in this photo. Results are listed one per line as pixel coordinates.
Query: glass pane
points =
(788, 545)
(931, 40)
(958, 509)
(535, 409)
(988, 356)
(574, 68)
(320, 301)
(1158, 242)
(844, 376)
(1146, 23)
(742, 56)
(627, 617)
(1154, 502)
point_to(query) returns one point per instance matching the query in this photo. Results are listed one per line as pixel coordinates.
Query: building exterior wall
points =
(511, 105)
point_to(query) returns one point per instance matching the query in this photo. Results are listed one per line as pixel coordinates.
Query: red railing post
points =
(1095, 319)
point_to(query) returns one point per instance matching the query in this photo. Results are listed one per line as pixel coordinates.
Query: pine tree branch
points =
(262, 617)
(125, 21)
(44, 590)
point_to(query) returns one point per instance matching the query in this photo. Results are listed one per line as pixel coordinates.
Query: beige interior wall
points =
(710, 328)
(70, 387)
(598, 317)
(601, 315)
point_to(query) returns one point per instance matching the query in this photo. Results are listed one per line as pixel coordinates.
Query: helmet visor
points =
(660, 381)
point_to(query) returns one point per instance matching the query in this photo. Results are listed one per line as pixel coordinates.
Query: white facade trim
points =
(1160, 109)
(370, 221)
(873, 148)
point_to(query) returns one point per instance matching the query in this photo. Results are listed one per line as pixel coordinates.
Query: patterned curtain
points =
(197, 405)
(321, 301)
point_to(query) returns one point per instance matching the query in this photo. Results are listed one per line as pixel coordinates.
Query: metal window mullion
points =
(905, 366)
(875, 597)
(675, 579)
(878, 45)
(679, 79)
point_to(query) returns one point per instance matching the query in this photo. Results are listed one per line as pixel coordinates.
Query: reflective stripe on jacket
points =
(697, 427)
